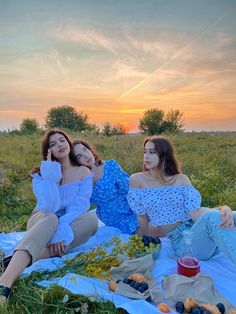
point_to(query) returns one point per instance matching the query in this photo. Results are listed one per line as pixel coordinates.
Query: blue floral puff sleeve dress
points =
(110, 197)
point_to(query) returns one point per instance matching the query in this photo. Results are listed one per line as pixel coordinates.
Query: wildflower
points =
(68, 261)
(84, 308)
(65, 299)
(73, 278)
(92, 299)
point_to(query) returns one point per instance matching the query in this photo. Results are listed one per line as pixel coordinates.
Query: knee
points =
(213, 217)
(52, 220)
(93, 223)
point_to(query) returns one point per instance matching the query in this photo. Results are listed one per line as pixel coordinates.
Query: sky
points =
(113, 60)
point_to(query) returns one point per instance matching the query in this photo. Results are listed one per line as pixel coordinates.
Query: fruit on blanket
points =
(231, 311)
(112, 285)
(211, 308)
(138, 278)
(221, 307)
(147, 240)
(127, 281)
(163, 308)
(179, 307)
(139, 286)
(190, 303)
(138, 246)
(196, 310)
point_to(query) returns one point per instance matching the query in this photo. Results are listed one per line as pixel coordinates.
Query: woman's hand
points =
(49, 155)
(57, 249)
(226, 217)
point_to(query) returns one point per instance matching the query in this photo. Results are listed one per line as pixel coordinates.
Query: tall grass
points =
(208, 159)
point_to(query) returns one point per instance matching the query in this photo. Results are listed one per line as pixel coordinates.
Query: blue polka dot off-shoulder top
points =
(164, 205)
(110, 197)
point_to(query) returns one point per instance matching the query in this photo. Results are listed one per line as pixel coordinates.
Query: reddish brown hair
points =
(45, 145)
(96, 156)
(168, 164)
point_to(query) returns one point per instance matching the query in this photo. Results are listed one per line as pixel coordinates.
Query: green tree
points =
(93, 128)
(66, 117)
(155, 121)
(119, 129)
(29, 125)
(107, 129)
(174, 121)
(152, 121)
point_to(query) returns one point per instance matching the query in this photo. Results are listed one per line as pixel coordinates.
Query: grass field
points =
(208, 159)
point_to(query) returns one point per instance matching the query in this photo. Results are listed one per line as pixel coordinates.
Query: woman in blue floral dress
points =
(111, 185)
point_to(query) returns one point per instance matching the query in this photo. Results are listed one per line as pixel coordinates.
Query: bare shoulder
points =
(136, 180)
(82, 172)
(182, 179)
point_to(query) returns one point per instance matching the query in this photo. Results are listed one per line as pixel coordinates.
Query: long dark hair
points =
(96, 156)
(168, 164)
(45, 145)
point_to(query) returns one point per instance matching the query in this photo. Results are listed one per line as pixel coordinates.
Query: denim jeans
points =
(207, 237)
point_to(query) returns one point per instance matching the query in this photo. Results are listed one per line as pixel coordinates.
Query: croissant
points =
(112, 285)
(231, 311)
(211, 308)
(189, 303)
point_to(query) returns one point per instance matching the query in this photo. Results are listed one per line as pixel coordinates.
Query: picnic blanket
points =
(219, 268)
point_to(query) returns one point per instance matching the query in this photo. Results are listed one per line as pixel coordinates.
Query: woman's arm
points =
(78, 206)
(143, 224)
(227, 220)
(45, 186)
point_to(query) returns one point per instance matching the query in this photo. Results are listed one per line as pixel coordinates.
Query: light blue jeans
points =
(207, 238)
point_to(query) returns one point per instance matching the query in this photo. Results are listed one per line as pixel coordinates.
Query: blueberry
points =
(145, 286)
(132, 284)
(179, 307)
(146, 242)
(201, 309)
(150, 239)
(126, 280)
(207, 312)
(119, 280)
(221, 307)
(196, 310)
(140, 289)
(136, 285)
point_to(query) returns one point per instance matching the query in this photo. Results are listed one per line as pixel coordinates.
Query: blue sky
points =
(116, 59)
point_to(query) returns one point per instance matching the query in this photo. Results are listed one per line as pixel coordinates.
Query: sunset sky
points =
(114, 59)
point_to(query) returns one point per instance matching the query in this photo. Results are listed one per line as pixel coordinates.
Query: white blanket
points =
(219, 268)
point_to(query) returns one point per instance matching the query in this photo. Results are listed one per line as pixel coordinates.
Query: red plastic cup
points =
(188, 266)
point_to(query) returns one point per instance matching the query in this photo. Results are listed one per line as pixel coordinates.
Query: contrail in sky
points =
(176, 54)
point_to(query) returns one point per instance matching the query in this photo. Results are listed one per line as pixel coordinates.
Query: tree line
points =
(154, 121)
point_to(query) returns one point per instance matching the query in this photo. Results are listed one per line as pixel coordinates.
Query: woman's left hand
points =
(57, 249)
(227, 217)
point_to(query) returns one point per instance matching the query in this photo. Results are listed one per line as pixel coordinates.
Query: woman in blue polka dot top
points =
(110, 189)
(167, 204)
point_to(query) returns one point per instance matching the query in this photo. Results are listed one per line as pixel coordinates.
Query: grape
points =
(141, 289)
(179, 307)
(196, 310)
(138, 246)
(221, 307)
(126, 280)
(145, 286)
